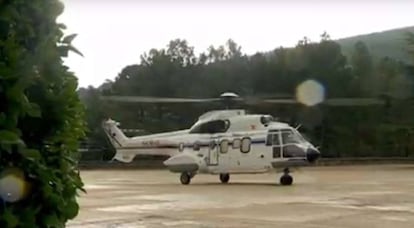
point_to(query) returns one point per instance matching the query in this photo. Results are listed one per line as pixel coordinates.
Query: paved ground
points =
(321, 197)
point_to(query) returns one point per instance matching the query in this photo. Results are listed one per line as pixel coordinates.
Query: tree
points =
(233, 49)
(361, 59)
(41, 116)
(325, 36)
(179, 51)
(304, 41)
(216, 54)
(410, 42)
(362, 66)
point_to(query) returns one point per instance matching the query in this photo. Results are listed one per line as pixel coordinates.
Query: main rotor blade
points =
(248, 100)
(353, 102)
(140, 99)
(281, 101)
(333, 101)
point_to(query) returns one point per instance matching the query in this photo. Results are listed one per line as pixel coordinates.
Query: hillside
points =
(389, 43)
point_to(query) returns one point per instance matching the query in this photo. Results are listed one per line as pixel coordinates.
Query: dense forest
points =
(176, 71)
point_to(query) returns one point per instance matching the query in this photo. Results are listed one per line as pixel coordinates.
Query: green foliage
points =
(362, 64)
(410, 46)
(41, 116)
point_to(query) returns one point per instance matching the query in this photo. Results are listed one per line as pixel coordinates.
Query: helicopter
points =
(221, 142)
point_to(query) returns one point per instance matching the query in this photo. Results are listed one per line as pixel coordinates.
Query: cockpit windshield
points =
(292, 136)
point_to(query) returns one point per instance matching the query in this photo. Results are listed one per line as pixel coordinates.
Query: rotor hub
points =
(229, 95)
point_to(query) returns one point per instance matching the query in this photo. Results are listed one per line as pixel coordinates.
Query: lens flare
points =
(310, 93)
(12, 185)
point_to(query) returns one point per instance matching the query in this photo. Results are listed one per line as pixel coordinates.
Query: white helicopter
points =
(221, 142)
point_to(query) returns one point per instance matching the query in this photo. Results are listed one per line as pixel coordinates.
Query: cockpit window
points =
(272, 139)
(211, 127)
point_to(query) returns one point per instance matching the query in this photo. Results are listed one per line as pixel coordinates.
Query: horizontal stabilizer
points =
(122, 157)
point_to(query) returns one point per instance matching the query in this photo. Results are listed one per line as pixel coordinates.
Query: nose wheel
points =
(224, 178)
(286, 178)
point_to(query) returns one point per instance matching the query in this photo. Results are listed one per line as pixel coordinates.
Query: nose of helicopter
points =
(312, 154)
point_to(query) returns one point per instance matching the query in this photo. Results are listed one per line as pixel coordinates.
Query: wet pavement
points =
(344, 196)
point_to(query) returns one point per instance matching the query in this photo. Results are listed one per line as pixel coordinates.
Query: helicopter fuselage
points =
(227, 141)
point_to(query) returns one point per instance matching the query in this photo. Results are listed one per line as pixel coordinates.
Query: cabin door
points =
(273, 141)
(213, 153)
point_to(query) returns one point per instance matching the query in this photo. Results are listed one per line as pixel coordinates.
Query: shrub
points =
(41, 116)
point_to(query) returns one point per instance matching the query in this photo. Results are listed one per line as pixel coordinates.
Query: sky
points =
(114, 33)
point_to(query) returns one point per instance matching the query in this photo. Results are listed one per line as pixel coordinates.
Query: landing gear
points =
(224, 177)
(286, 179)
(185, 178)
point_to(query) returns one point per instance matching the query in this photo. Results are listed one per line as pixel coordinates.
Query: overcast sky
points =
(114, 33)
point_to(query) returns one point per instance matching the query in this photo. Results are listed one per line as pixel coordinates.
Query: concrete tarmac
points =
(320, 197)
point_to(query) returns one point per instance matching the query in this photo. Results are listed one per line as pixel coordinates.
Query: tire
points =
(224, 178)
(286, 179)
(185, 178)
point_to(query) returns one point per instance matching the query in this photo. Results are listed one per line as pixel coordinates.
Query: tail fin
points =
(118, 139)
(115, 135)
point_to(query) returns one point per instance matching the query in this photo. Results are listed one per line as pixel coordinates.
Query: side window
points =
(236, 143)
(245, 145)
(224, 146)
(196, 146)
(212, 145)
(276, 140)
(215, 126)
(181, 147)
(272, 139)
(269, 139)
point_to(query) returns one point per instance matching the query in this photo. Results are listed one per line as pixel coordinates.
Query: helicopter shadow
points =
(245, 184)
(228, 185)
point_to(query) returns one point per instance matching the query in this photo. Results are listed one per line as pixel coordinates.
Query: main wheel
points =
(286, 179)
(185, 178)
(224, 177)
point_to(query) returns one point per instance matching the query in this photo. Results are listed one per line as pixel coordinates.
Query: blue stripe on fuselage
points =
(187, 145)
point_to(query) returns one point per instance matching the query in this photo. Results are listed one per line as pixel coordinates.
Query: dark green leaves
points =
(11, 218)
(68, 39)
(33, 110)
(41, 117)
(72, 48)
(67, 46)
(51, 220)
(8, 137)
(72, 209)
(31, 154)
(64, 50)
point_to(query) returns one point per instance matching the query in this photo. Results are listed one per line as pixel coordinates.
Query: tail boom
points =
(128, 148)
